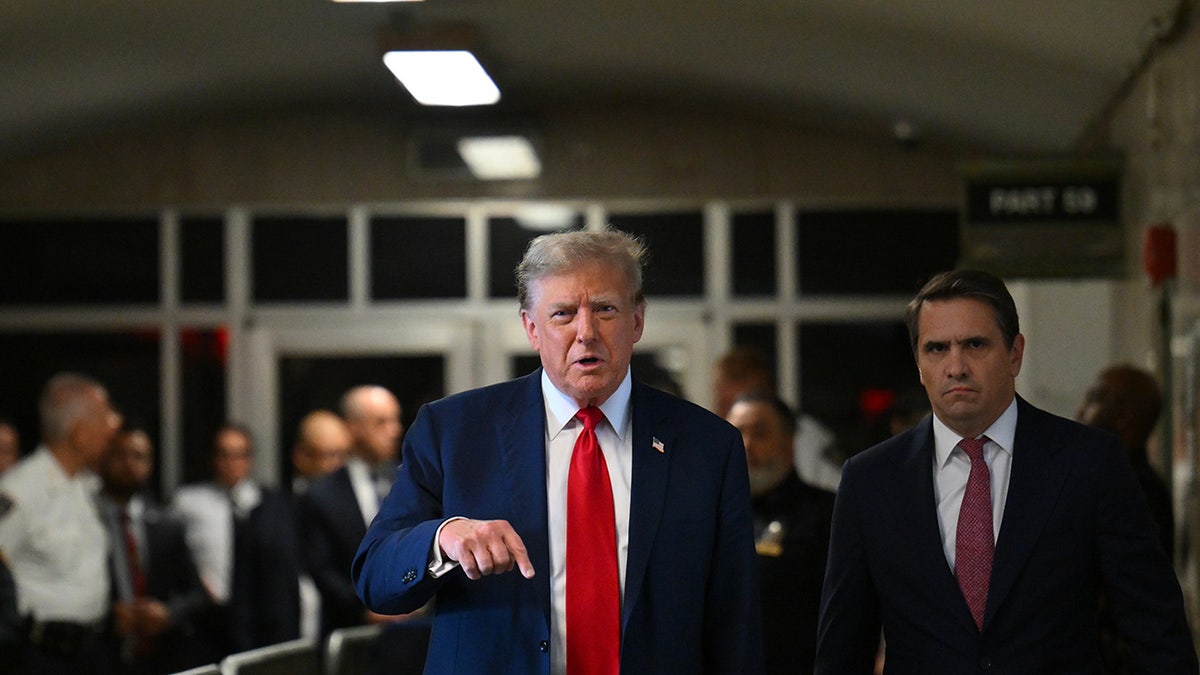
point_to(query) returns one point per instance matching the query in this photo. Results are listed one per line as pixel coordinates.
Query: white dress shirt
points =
(54, 541)
(616, 442)
(951, 467)
(364, 488)
(207, 511)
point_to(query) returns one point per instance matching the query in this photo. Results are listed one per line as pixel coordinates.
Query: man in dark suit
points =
(625, 511)
(982, 538)
(791, 532)
(244, 540)
(1126, 401)
(157, 590)
(336, 509)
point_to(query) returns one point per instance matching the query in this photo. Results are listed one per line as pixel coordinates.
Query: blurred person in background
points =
(322, 443)
(243, 539)
(791, 532)
(338, 507)
(1126, 401)
(743, 370)
(156, 589)
(51, 535)
(10, 445)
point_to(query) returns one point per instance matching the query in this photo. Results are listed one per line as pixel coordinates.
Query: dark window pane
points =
(849, 375)
(307, 383)
(299, 258)
(507, 240)
(874, 252)
(87, 261)
(754, 254)
(205, 361)
(418, 258)
(760, 337)
(126, 363)
(676, 242)
(202, 259)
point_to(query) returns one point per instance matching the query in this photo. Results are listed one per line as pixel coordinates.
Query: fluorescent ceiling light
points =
(500, 157)
(545, 217)
(443, 78)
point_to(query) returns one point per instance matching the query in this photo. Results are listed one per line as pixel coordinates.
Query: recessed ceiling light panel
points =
(449, 78)
(500, 157)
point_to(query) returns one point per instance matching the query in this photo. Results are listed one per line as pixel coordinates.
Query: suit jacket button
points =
(985, 663)
(410, 576)
(543, 646)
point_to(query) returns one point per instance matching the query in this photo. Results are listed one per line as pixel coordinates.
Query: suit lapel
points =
(915, 502)
(648, 490)
(522, 437)
(1037, 477)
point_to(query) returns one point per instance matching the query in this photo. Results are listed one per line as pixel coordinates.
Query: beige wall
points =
(1157, 127)
(305, 156)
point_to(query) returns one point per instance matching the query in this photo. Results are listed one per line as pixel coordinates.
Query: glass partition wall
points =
(259, 315)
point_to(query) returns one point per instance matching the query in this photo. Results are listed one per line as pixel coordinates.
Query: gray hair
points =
(64, 401)
(555, 253)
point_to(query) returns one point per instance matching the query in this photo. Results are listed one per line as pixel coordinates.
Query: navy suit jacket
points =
(1075, 524)
(691, 599)
(331, 527)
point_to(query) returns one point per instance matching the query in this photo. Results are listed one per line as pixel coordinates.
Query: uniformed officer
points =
(791, 528)
(51, 535)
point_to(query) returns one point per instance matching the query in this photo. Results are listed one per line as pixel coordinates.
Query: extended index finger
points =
(516, 547)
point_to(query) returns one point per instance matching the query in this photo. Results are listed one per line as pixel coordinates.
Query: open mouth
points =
(588, 361)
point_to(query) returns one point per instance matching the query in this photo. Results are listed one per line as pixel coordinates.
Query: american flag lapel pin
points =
(657, 444)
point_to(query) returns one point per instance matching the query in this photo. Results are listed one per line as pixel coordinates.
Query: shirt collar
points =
(561, 409)
(1001, 432)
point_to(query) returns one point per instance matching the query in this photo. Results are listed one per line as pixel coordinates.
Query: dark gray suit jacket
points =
(331, 527)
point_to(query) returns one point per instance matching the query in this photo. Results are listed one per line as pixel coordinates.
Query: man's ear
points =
(531, 329)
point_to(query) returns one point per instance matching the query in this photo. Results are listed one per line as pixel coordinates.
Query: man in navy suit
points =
(478, 517)
(1050, 516)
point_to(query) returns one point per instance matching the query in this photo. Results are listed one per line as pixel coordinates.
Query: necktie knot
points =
(973, 447)
(590, 416)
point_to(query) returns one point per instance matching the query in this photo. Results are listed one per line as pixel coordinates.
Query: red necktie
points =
(593, 588)
(974, 542)
(136, 576)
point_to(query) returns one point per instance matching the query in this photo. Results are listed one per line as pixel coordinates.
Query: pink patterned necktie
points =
(974, 542)
(593, 586)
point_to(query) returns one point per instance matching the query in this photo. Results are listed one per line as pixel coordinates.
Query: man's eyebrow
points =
(942, 343)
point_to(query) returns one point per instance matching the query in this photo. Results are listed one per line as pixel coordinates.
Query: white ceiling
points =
(1007, 76)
